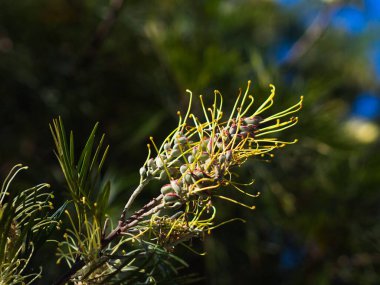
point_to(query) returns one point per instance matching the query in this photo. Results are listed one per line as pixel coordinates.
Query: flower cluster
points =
(198, 157)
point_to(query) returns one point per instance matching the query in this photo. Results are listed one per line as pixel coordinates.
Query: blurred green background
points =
(127, 65)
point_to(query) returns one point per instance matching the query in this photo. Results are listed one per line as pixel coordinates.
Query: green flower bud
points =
(167, 188)
(183, 168)
(198, 174)
(175, 153)
(163, 175)
(175, 206)
(175, 185)
(222, 158)
(188, 178)
(204, 156)
(171, 197)
(190, 159)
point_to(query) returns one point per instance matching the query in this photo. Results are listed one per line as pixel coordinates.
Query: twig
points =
(133, 197)
(102, 32)
(311, 35)
(124, 225)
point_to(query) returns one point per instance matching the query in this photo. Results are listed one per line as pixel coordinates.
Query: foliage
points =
(24, 225)
(317, 221)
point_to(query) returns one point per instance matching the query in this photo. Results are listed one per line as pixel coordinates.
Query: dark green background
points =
(317, 220)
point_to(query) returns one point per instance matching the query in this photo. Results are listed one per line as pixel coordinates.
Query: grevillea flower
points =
(198, 158)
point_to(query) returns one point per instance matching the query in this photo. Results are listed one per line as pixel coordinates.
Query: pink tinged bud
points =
(210, 146)
(222, 158)
(243, 135)
(244, 128)
(254, 120)
(198, 174)
(167, 188)
(232, 129)
(204, 143)
(252, 128)
(204, 156)
(183, 168)
(171, 197)
(229, 155)
(217, 172)
(175, 185)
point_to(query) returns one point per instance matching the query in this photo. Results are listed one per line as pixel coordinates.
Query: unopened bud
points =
(183, 168)
(254, 120)
(175, 185)
(167, 188)
(167, 146)
(232, 129)
(244, 128)
(163, 175)
(229, 155)
(142, 171)
(204, 156)
(171, 197)
(188, 178)
(181, 140)
(152, 164)
(159, 162)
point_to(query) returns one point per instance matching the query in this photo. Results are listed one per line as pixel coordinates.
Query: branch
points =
(102, 31)
(311, 35)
